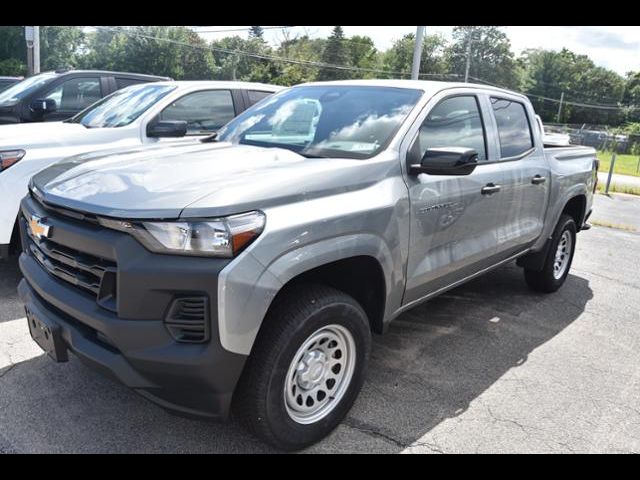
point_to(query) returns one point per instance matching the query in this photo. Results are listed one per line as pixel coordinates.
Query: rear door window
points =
(514, 130)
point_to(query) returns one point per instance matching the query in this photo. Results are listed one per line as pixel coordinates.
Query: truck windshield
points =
(25, 87)
(325, 120)
(122, 107)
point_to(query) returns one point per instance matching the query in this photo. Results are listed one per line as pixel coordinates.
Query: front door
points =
(454, 219)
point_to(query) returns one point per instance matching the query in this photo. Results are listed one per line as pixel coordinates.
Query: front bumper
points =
(133, 344)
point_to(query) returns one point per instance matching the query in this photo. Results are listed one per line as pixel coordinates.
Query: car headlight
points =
(220, 237)
(9, 158)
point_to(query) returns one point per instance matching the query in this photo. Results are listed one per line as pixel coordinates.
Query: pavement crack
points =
(373, 432)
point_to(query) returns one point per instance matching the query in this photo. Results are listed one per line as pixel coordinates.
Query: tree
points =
(363, 54)
(61, 47)
(13, 51)
(549, 74)
(399, 58)
(632, 96)
(256, 32)
(304, 50)
(336, 52)
(245, 60)
(177, 52)
(491, 58)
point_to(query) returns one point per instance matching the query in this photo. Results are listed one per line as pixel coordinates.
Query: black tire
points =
(544, 280)
(259, 401)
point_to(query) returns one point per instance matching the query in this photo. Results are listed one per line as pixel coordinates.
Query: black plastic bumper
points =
(195, 379)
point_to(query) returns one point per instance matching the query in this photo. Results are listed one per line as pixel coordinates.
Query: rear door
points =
(453, 223)
(525, 170)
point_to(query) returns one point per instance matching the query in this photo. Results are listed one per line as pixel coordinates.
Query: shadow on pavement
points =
(10, 276)
(431, 364)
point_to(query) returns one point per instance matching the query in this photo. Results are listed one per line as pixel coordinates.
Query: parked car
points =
(137, 115)
(55, 96)
(250, 271)
(6, 82)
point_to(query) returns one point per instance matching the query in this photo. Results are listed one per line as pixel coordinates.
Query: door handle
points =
(538, 180)
(490, 189)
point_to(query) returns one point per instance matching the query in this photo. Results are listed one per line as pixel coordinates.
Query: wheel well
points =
(576, 209)
(360, 277)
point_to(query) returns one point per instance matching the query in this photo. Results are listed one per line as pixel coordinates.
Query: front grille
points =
(90, 274)
(187, 320)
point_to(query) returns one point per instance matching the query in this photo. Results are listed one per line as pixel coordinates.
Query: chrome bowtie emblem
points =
(38, 228)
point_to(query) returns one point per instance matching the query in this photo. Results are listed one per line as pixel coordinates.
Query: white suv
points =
(137, 115)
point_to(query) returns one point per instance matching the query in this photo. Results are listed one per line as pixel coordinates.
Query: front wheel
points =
(558, 262)
(307, 367)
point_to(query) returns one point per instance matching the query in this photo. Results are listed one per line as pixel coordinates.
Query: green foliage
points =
(256, 32)
(12, 68)
(182, 54)
(491, 57)
(336, 52)
(13, 51)
(60, 47)
(399, 57)
(548, 74)
(303, 49)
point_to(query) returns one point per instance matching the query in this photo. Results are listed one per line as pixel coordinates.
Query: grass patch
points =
(615, 188)
(625, 164)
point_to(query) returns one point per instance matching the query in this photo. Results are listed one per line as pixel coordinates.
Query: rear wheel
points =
(558, 262)
(306, 369)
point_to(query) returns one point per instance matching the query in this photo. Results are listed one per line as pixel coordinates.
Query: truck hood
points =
(40, 134)
(196, 180)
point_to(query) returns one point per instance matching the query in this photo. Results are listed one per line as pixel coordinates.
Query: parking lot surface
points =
(487, 367)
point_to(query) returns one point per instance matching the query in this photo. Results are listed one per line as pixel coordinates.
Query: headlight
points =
(10, 157)
(220, 237)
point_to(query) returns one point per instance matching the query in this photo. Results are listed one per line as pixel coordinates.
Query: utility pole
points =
(417, 53)
(36, 50)
(468, 65)
(32, 36)
(560, 107)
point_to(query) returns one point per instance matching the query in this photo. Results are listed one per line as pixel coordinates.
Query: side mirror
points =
(447, 161)
(43, 105)
(167, 129)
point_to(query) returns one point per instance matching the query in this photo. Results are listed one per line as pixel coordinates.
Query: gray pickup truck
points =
(249, 270)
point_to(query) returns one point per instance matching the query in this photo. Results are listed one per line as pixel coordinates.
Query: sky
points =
(613, 47)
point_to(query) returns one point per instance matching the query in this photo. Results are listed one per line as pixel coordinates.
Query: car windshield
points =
(325, 120)
(25, 87)
(122, 107)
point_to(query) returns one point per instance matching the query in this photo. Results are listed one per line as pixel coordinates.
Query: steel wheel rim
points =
(563, 255)
(319, 374)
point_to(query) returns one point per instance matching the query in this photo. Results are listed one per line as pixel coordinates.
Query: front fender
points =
(246, 288)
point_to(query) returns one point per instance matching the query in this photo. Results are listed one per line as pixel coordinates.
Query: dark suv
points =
(55, 96)
(6, 82)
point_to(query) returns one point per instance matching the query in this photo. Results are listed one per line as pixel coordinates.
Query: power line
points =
(565, 102)
(238, 29)
(267, 57)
